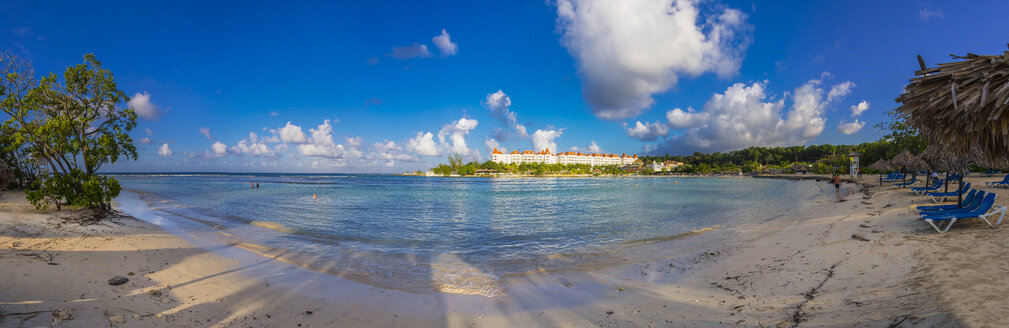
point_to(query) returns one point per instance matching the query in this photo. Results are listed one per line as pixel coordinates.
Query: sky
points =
(395, 86)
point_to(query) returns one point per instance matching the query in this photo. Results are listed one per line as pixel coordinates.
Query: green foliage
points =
(73, 126)
(75, 189)
(902, 135)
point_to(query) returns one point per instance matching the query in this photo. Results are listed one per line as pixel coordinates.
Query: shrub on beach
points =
(61, 132)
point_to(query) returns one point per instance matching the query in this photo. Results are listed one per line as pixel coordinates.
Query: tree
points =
(902, 135)
(75, 127)
(455, 161)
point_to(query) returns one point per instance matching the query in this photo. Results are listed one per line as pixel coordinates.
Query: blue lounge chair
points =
(922, 190)
(940, 197)
(967, 199)
(891, 177)
(974, 203)
(985, 209)
(905, 184)
(1004, 182)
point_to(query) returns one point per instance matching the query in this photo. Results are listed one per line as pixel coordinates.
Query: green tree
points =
(75, 127)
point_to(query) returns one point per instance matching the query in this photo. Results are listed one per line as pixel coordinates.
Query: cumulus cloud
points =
(623, 62)
(647, 131)
(445, 45)
(593, 147)
(321, 144)
(141, 102)
(416, 50)
(850, 128)
(423, 144)
(145, 140)
(745, 115)
(499, 104)
(544, 139)
(860, 108)
(492, 144)
(164, 150)
(840, 90)
(217, 150)
(390, 152)
(149, 132)
(679, 119)
(292, 134)
(453, 136)
(253, 146)
(206, 132)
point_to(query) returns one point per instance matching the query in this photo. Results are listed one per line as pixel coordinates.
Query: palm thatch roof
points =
(917, 164)
(942, 159)
(902, 160)
(961, 104)
(881, 165)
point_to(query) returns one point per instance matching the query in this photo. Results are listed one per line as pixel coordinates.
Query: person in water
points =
(837, 183)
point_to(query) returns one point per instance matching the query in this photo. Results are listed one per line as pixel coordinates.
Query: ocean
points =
(460, 235)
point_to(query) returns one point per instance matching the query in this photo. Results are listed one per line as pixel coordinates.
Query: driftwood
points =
(962, 104)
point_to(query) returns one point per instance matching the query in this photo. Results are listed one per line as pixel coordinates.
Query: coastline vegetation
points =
(59, 132)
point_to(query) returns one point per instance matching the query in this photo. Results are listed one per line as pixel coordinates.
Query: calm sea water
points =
(459, 234)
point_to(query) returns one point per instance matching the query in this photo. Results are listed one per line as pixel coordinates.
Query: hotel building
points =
(546, 157)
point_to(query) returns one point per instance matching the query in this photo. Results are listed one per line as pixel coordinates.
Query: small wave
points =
(671, 237)
(273, 226)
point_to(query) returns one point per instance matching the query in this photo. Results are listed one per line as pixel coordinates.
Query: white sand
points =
(792, 271)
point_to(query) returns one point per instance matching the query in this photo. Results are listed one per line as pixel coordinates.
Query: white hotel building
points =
(546, 157)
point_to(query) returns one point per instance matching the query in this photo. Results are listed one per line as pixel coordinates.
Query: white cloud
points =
(647, 131)
(840, 90)
(594, 148)
(391, 152)
(850, 128)
(274, 114)
(445, 45)
(416, 50)
(928, 11)
(492, 144)
(217, 150)
(164, 150)
(745, 115)
(423, 144)
(149, 132)
(860, 108)
(252, 146)
(499, 104)
(456, 133)
(321, 144)
(206, 132)
(293, 134)
(145, 140)
(631, 49)
(679, 119)
(141, 102)
(544, 139)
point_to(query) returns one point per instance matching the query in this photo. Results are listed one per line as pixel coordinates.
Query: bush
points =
(75, 189)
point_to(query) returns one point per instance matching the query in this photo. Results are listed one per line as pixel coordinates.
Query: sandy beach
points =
(864, 259)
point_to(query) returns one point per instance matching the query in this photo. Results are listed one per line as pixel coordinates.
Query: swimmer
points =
(314, 196)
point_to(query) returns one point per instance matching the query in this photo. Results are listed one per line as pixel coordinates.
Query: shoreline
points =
(794, 271)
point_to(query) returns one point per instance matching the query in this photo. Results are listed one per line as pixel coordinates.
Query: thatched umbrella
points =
(901, 161)
(962, 104)
(880, 166)
(916, 164)
(944, 160)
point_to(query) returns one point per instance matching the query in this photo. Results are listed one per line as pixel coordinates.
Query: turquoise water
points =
(404, 229)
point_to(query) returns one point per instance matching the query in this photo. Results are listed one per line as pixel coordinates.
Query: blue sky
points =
(636, 76)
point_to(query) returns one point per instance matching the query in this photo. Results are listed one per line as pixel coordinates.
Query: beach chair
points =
(914, 179)
(984, 210)
(891, 177)
(970, 206)
(939, 197)
(967, 199)
(1004, 182)
(922, 190)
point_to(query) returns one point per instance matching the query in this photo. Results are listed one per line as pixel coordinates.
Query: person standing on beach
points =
(837, 183)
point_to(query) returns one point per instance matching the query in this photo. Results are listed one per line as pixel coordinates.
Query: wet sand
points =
(863, 261)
